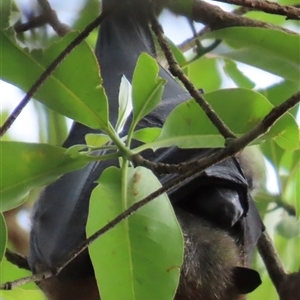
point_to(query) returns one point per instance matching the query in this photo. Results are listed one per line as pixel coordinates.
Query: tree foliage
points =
(26, 167)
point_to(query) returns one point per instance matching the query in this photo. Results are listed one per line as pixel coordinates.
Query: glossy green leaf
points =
(125, 103)
(10, 272)
(238, 77)
(73, 89)
(147, 135)
(142, 255)
(94, 140)
(179, 56)
(204, 74)
(292, 186)
(285, 133)
(3, 236)
(288, 161)
(272, 152)
(282, 91)
(5, 7)
(147, 87)
(22, 294)
(268, 49)
(187, 126)
(26, 165)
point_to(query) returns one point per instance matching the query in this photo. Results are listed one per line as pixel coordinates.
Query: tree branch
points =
(214, 17)
(177, 72)
(191, 42)
(291, 12)
(48, 16)
(16, 259)
(271, 260)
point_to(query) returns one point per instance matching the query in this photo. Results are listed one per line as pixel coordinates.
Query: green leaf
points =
(280, 92)
(10, 272)
(5, 8)
(238, 77)
(285, 133)
(21, 294)
(179, 56)
(268, 49)
(204, 74)
(292, 186)
(147, 87)
(288, 161)
(187, 126)
(96, 140)
(147, 135)
(272, 152)
(136, 255)
(3, 236)
(125, 103)
(73, 89)
(26, 165)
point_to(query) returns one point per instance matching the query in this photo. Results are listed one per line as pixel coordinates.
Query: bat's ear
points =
(246, 280)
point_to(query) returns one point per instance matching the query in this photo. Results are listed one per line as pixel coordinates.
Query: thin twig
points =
(48, 16)
(291, 12)
(60, 28)
(10, 285)
(52, 67)
(16, 259)
(177, 71)
(191, 42)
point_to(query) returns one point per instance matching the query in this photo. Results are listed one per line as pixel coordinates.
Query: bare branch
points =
(191, 42)
(271, 259)
(48, 16)
(10, 285)
(291, 12)
(17, 260)
(177, 71)
(214, 17)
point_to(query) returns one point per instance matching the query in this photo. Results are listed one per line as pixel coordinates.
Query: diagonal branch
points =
(48, 16)
(291, 12)
(16, 259)
(271, 260)
(216, 18)
(177, 72)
